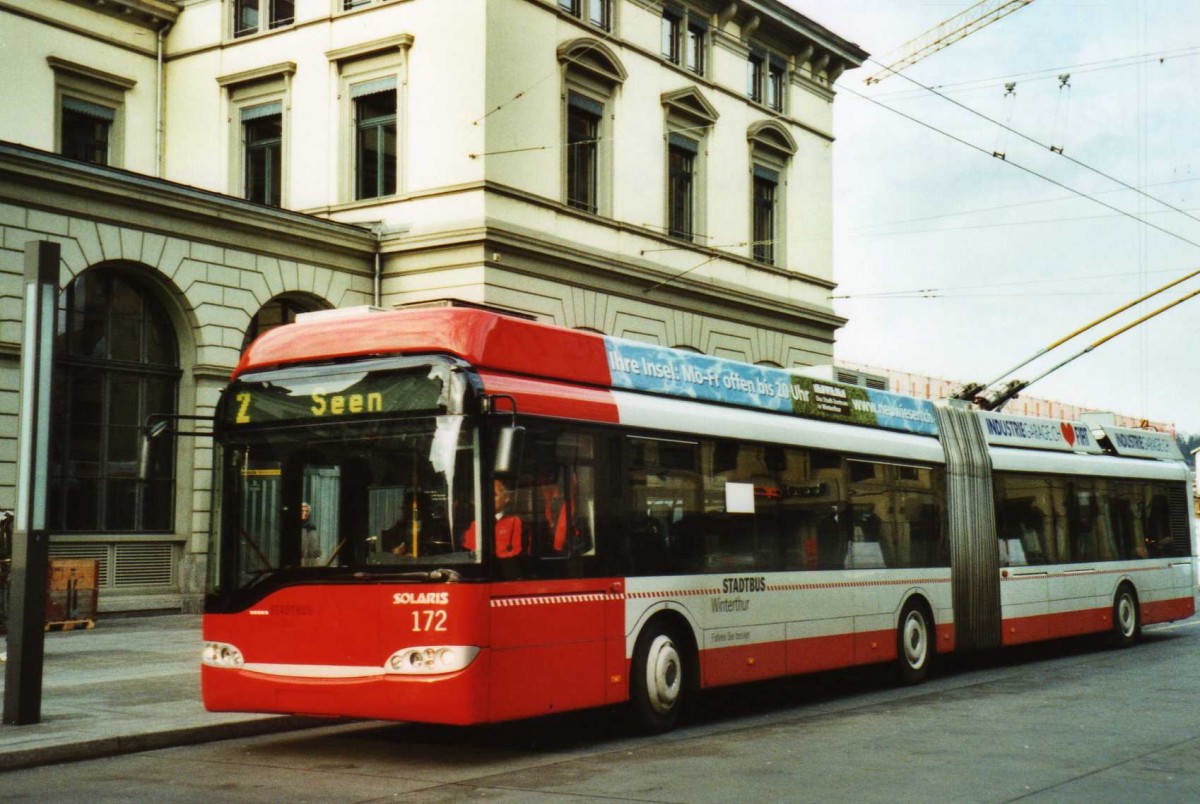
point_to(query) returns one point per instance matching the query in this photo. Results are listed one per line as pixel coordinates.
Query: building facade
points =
(644, 168)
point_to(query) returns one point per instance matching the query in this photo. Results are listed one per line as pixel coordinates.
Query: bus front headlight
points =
(221, 654)
(430, 659)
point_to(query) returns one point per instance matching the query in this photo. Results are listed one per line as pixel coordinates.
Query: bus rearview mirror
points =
(510, 444)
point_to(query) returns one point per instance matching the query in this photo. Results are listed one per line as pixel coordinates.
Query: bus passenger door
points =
(552, 624)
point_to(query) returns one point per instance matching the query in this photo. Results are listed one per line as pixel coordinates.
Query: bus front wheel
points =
(1127, 622)
(914, 643)
(659, 678)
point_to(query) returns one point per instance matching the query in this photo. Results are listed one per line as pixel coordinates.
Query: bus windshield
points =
(384, 496)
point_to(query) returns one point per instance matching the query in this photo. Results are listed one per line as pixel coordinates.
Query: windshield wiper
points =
(438, 575)
(258, 576)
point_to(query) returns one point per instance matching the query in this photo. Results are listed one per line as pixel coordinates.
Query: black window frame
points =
(283, 309)
(112, 358)
(681, 186)
(672, 33)
(375, 171)
(597, 13)
(254, 16)
(775, 83)
(684, 39)
(584, 118)
(262, 157)
(281, 13)
(695, 45)
(85, 130)
(756, 67)
(765, 218)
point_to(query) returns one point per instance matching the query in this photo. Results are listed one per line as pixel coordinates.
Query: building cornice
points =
(374, 47)
(280, 70)
(636, 276)
(83, 71)
(144, 49)
(64, 186)
(652, 234)
(823, 37)
(618, 226)
(645, 281)
(153, 14)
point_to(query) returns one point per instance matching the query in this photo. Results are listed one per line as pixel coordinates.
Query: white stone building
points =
(652, 169)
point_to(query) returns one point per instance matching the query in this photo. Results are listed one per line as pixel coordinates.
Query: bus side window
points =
(664, 496)
(1157, 527)
(555, 500)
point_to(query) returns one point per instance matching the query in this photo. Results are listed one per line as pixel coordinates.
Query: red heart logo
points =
(1068, 431)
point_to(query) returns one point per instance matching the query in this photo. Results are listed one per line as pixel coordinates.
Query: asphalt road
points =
(1067, 722)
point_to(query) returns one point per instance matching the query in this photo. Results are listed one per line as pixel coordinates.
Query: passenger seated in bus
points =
(417, 531)
(556, 526)
(508, 526)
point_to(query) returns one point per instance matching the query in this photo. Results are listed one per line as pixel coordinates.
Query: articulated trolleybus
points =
(455, 516)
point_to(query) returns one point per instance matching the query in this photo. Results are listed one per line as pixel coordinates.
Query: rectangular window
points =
(248, 14)
(262, 132)
(776, 84)
(1044, 519)
(596, 12)
(283, 13)
(85, 130)
(245, 17)
(697, 33)
(348, 5)
(681, 175)
(583, 134)
(375, 138)
(895, 516)
(755, 69)
(672, 25)
(766, 183)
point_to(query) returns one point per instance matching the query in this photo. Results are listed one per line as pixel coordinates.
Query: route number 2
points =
(429, 620)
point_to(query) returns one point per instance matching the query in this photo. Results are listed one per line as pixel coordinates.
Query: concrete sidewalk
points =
(130, 684)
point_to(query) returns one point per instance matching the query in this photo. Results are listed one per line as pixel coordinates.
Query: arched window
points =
(771, 150)
(275, 313)
(117, 363)
(591, 75)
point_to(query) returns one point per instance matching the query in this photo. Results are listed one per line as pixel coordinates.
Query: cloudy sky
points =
(958, 264)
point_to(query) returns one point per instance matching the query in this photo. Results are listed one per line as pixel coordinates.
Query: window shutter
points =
(263, 110)
(678, 141)
(586, 104)
(375, 87)
(90, 109)
(761, 172)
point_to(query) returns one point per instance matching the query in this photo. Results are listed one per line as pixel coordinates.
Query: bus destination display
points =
(334, 396)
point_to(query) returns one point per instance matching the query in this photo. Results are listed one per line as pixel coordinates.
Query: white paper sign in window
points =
(739, 498)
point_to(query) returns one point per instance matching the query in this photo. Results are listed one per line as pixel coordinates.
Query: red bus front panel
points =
(328, 650)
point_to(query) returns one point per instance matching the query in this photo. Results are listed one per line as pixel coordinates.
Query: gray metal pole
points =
(31, 540)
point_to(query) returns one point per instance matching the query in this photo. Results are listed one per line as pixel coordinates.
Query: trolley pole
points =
(31, 540)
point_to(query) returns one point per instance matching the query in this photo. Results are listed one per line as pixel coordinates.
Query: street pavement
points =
(130, 684)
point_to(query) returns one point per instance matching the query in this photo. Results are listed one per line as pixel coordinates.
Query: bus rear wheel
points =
(659, 679)
(914, 643)
(1127, 621)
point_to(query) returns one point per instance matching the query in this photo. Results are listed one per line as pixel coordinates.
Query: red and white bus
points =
(455, 516)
